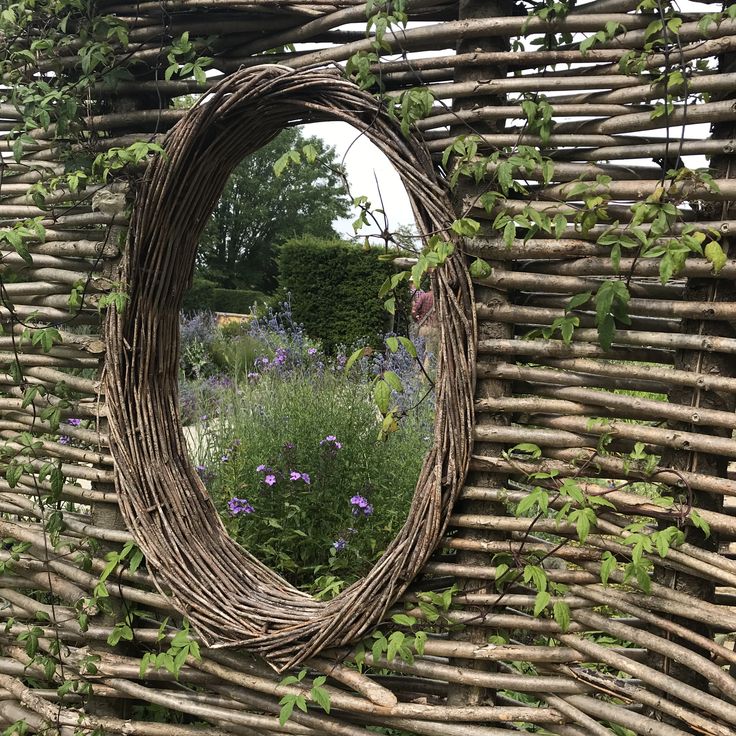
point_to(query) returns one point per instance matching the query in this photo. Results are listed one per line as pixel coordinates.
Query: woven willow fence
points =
(577, 503)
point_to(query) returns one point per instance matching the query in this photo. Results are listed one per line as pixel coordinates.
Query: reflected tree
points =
(258, 211)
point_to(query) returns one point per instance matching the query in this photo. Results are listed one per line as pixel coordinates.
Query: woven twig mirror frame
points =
(230, 597)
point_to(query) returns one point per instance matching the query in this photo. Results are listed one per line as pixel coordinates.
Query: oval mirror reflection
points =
(307, 399)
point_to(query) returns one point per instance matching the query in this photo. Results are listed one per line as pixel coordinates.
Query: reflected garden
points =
(288, 443)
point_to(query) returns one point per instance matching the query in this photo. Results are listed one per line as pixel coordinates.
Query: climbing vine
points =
(61, 64)
(57, 55)
(654, 229)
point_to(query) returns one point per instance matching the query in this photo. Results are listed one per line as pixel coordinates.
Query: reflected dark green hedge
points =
(205, 296)
(334, 291)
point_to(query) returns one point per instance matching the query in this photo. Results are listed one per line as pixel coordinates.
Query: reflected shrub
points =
(295, 468)
(288, 447)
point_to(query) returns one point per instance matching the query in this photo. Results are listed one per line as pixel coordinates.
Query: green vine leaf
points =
(611, 304)
(715, 254)
(541, 602)
(608, 565)
(561, 613)
(480, 269)
(699, 522)
(466, 227)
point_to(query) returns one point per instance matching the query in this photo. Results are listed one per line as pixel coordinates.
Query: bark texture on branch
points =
(652, 417)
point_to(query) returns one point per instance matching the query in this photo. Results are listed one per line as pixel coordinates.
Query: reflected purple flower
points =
(238, 506)
(206, 475)
(332, 442)
(360, 505)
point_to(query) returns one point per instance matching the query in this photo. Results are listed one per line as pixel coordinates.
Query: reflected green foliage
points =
(258, 211)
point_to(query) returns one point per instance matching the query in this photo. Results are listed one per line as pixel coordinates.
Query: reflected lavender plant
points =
(205, 474)
(361, 506)
(239, 506)
(285, 339)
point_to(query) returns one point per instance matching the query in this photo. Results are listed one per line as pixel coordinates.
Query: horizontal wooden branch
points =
(623, 716)
(703, 381)
(534, 59)
(70, 470)
(652, 677)
(643, 292)
(478, 572)
(539, 350)
(51, 378)
(595, 403)
(637, 191)
(592, 147)
(654, 436)
(431, 37)
(30, 486)
(552, 377)
(572, 463)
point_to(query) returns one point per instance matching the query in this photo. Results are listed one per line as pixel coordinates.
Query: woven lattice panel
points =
(632, 412)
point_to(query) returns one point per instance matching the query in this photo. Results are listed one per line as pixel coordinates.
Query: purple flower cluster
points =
(200, 327)
(211, 393)
(361, 506)
(286, 361)
(270, 477)
(239, 506)
(187, 402)
(64, 439)
(278, 328)
(332, 442)
(197, 334)
(340, 543)
(229, 451)
(283, 338)
(74, 422)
